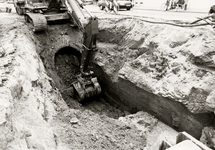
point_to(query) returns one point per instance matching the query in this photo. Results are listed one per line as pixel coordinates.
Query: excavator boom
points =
(89, 27)
(85, 86)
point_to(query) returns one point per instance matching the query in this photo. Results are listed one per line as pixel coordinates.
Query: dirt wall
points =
(28, 101)
(129, 97)
(156, 68)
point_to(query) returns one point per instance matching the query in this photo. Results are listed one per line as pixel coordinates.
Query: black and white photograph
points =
(107, 74)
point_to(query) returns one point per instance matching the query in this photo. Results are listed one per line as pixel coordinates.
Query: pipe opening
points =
(67, 62)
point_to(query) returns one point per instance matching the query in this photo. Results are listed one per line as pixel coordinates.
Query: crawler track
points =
(38, 21)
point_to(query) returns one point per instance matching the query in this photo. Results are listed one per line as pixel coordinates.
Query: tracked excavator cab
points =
(39, 12)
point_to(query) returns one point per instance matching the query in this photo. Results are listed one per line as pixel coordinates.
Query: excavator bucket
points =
(86, 87)
(79, 90)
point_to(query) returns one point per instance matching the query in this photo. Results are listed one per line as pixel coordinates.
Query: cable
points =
(168, 23)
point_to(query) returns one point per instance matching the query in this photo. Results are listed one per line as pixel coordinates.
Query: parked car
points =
(122, 4)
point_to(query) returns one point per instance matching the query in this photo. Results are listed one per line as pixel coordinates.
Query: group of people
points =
(172, 4)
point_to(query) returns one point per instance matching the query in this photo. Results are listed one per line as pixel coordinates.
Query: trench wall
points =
(28, 102)
(132, 98)
(131, 40)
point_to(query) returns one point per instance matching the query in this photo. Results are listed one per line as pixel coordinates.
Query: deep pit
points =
(140, 67)
(117, 49)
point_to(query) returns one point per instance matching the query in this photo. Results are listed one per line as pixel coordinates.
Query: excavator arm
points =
(89, 27)
(86, 85)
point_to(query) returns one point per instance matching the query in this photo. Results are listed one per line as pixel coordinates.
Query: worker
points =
(180, 2)
(212, 10)
(173, 4)
(167, 4)
(110, 5)
(96, 1)
(212, 13)
(185, 4)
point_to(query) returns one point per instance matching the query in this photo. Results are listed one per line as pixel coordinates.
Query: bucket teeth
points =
(85, 88)
(79, 90)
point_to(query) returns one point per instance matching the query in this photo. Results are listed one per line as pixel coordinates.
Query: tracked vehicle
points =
(39, 12)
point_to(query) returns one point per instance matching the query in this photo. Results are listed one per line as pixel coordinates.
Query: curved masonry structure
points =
(59, 37)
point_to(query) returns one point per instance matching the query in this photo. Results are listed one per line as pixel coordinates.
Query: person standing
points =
(167, 4)
(185, 4)
(212, 10)
(110, 5)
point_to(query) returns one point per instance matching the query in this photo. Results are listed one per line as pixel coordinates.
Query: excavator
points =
(40, 12)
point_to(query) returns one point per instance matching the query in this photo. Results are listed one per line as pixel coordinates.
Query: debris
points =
(74, 121)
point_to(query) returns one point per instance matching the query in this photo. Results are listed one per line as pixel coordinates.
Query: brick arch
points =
(55, 49)
(69, 50)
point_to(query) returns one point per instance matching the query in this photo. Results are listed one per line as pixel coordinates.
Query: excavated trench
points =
(60, 49)
(133, 99)
(67, 64)
(164, 70)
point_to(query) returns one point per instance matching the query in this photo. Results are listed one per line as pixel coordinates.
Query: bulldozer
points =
(39, 13)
